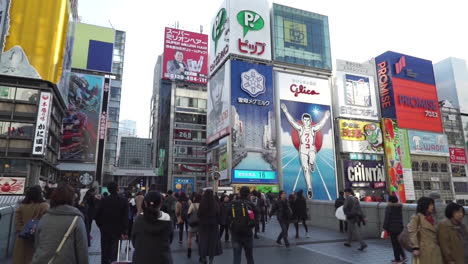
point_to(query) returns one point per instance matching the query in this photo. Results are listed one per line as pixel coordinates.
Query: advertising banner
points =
(308, 158)
(407, 168)
(219, 158)
(360, 137)
(186, 185)
(240, 27)
(301, 37)
(263, 188)
(408, 92)
(364, 174)
(355, 91)
(253, 129)
(22, 56)
(185, 56)
(81, 122)
(457, 155)
(12, 185)
(218, 104)
(42, 124)
(425, 143)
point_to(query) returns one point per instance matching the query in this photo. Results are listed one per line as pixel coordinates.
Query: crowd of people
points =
(53, 225)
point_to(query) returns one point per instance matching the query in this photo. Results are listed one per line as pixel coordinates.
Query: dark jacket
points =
(282, 209)
(300, 209)
(152, 240)
(393, 221)
(224, 210)
(339, 202)
(51, 230)
(112, 215)
(245, 233)
(352, 209)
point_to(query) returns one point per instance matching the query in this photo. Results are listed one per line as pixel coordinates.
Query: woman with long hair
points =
(181, 211)
(208, 228)
(300, 212)
(152, 232)
(393, 224)
(33, 206)
(423, 234)
(193, 227)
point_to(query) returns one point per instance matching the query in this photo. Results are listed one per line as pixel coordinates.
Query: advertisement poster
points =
(220, 159)
(218, 104)
(457, 155)
(407, 168)
(364, 174)
(12, 185)
(253, 129)
(425, 143)
(185, 56)
(393, 157)
(360, 137)
(81, 122)
(186, 185)
(355, 89)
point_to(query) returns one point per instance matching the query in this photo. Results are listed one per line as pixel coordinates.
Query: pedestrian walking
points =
(112, 220)
(439, 208)
(61, 233)
(182, 207)
(152, 232)
(170, 204)
(31, 208)
(354, 216)
(225, 208)
(139, 201)
(193, 221)
(300, 213)
(423, 234)
(263, 210)
(393, 224)
(208, 228)
(338, 203)
(241, 224)
(91, 204)
(283, 213)
(453, 235)
(255, 200)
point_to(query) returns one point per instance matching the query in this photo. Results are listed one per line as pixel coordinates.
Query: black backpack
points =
(240, 219)
(184, 213)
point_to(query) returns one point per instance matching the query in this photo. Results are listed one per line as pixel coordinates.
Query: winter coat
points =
(224, 209)
(352, 209)
(178, 211)
(300, 209)
(112, 215)
(426, 240)
(51, 230)
(152, 240)
(209, 243)
(339, 202)
(24, 249)
(393, 221)
(282, 209)
(451, 244)
(139, 203)
(242, 234)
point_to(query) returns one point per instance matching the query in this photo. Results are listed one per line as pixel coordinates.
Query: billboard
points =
(253, 127)
(406, 164)
(408, 92)
(254, 176)
(360, 136)
(93, 47)
(308, 158)
(12, 185)
(219, 159)
(42, 124)
(425, 143)
(263, 188)
(186, 185)
(457, 155)
(355, 95)
(185, 56)
(218, 104)
(301, 37)
(21, 32)
(81, 122)
(240, 27)
(364, 174)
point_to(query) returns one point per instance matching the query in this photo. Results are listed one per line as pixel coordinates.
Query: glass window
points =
(415, 166)
(25, 111)
(436, 186)
(115, 93)
(425, 166)
(17, 145)
(5, 109)
(7, 92)
(21, 130)
(458, 170)
(460, 187)
(443, 167)
(4, 127)
(417, 185)
(202, 103)
(434, 167)
(446, 186)
(427, 185)
(27, 95)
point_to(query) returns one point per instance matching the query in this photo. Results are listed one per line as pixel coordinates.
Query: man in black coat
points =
(112, 220)
(283, 213)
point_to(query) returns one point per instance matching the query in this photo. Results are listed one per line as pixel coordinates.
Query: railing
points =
(7, 231)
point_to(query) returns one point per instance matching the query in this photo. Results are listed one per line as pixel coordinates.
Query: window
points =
(21, 130)
(25, 111)
(425, 166)
(436, 186)
(7, 92)
(443, 167)
(460, 187)
(427, 185)
(27, 95)
(202, 103)
(434, 167)
(417, 185)
(113, 114)
(446, 186)
(115, 93)
(4, 127)
(458, 170)
(415, 166)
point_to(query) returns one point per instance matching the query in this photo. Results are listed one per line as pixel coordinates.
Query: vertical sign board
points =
(219, 102)
(308, 158)
(457, 155)
(355, 91)
(253, 127)
(407, 168)
(42, 124)
(102, 130)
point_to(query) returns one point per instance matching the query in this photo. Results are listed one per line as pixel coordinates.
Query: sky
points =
(359, 30)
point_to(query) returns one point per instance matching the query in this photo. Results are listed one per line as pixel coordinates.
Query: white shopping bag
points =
(340, 213)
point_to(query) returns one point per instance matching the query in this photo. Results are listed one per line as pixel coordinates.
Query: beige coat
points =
(423, 235)
(178, 211)
(24, 249)
(450, 242)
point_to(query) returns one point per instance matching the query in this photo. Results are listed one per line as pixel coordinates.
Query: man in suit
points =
(177, 67)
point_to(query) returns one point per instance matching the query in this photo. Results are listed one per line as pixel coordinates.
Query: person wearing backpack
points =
(393, 224)
(255, 200)
(193, 222)
(354, 216)
(182, 207)
(284, 213)
(241, 221)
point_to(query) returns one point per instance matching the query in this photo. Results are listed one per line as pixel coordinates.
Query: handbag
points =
(29, 229)
(70, 229)
(127, 248)
(193, 219)
(404, 237)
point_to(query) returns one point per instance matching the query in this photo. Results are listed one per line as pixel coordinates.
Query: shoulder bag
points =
(70, 229)
(404, 237)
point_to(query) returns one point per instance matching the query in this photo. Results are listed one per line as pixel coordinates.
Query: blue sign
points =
(253, 176)
(186, 185)
(426, 143)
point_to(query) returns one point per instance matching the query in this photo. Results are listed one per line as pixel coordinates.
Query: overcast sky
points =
(359, 30)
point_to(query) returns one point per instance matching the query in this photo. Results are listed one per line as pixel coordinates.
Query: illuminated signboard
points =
(365, 174)
(253, 176)
(425, 143)
(360, 137)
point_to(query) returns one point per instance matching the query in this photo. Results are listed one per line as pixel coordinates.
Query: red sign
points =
(417, 105)
(185, 56)
(183, 134)
(457, 155)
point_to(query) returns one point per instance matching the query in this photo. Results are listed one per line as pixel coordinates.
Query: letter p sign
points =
(250, 20)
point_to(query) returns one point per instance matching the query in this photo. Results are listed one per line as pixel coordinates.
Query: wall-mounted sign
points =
(86, 178)
(457, 155)
(42, 124)
(12, 185)
(364, 174)
(252, 176)
(360, 136)
(425, 143)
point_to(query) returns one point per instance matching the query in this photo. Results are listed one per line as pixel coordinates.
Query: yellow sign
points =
(295, 32)
(36, 40)
(356, 130)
